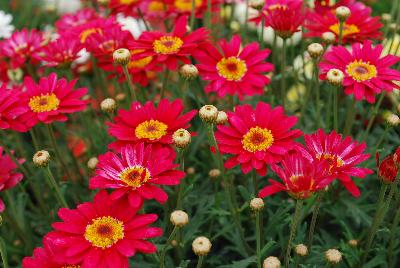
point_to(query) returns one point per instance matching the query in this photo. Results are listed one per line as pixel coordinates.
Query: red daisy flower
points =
(22, 46)
(235, 70)
(60, 52)
(8, 175)
(89, 28)
(257, 137)
(344, 156)
(127, 7)
(170, 48)
(301, 177)
(51, 99)
(322, 6)
(366, 71)
(136, 172)
(184, 7)
(149, 124)
(360, 26)
(44, 258)
(387, 170)
(14, 114)
(102, 234)
(72, 20)
(271, 5)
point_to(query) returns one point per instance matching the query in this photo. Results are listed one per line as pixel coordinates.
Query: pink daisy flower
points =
(51, 99)
(72, 20)
(366, 71)
(149, 124)
(234, 70)
(8, 175)
(271, 5)
(136, 172)
(257, 137)
(102, 234)
(343, 154)
(171, 48)
(301, 177)
(22, 46)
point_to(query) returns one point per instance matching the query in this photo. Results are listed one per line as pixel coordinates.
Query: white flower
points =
(134, 26)
(6, 28)
(63, 6)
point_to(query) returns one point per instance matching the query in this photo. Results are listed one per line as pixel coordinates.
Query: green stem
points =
(34, 140)
(3, 252)
(193, 15)
(372, 118)
(258, 238)
(181, 185)
(341, 23)
(200, 262)
(382, 138)
(255, 182)
(314, 219)
(261, 40)
(283, 74)
(164, 84)
(393, 235)
(130, 84)
(335, 109)
(53, 184)
(143, 19)
(167, 244)
(293, 228)
(246, 19)
(317, 95)
(209, 14)
(350, 117)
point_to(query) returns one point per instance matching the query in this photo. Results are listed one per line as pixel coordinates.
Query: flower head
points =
(8, 175)
(72, 20)
(301, 177)
(102, 233)
(343, 154)
(136, 172)
(184, 7)
(257, 137)
(168, 49)
(149, 124)
(387, 170)
(366, 71)
(235, 70)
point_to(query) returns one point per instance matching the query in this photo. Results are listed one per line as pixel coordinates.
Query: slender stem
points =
(317, 95)
(283, 74)
(200, 262)
(164, 249)
(261, 40)
(350, 117)
(258, 238)
(209, 14)
(164, 84)
(372, 118)
(314, 219)
(341, 23)
(3, 252)
(382, 138)
(181, 185)
(53, 184)
(393, 235)
(293, 228)
(335, 109)
(143, 19)
(255, 182)
(193, 15)
(130, 84)
(246, 19)
(34, 140)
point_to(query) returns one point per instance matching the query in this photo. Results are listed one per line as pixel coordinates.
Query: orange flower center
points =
(151, 129)
(257, 139)
(186, 5)
(71, 266)
(44, 103)
(135, 176)
(127, 2)
(156, 6)
(232, 68)
(86, 33)
(104, 232)
(167, 45)
(361, 71)
(348, 29)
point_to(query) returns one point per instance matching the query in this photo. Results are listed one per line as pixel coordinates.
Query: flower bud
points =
(190, 170)
(256, 204)
(235, 26)
(342, 13)
(222, 118)
(333, 256)
(214, 173)
(392, 119)
(393, 27)
(92, 163)
(108, 105)
(179, 218)
(272, 262)
(189, 71)
(315, 50)
(209, 113)
(201, 246)
(386, 17)
(120, 96)
(387, 170)
(122, 56)
(174, 243)
(41, 158)
(335, 77)
(396, 158)
(257, 4)
(181, 138)
(329, 37)
(301, 250)
(353, 243)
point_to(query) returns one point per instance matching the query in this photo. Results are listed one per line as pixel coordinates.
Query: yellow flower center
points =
(127, 2)
(331, 159)
(156, 6)
(232, 68)
(139, 63)
(135, 176)
(44, 103)
(348, 29)
(276, 6)
(361, 71)
(167, 45)
(257, 139)
(86, 33)
(186, 5)
(151, 129)
(104, 232)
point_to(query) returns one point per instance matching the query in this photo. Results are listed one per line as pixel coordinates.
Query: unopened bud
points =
(301, 250)
(122, 56)
(342, 13)
(335, 77)
(329, 38)
(179, 218)
(189, 71)
(209, 113)
(181, 138)
(92, 163)
(272, 262)
(257, 204)
(222, 118)
(315, 50)
(333, 256)
(108, 105)
(41, 158)
(214, 173)
(201, 246)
